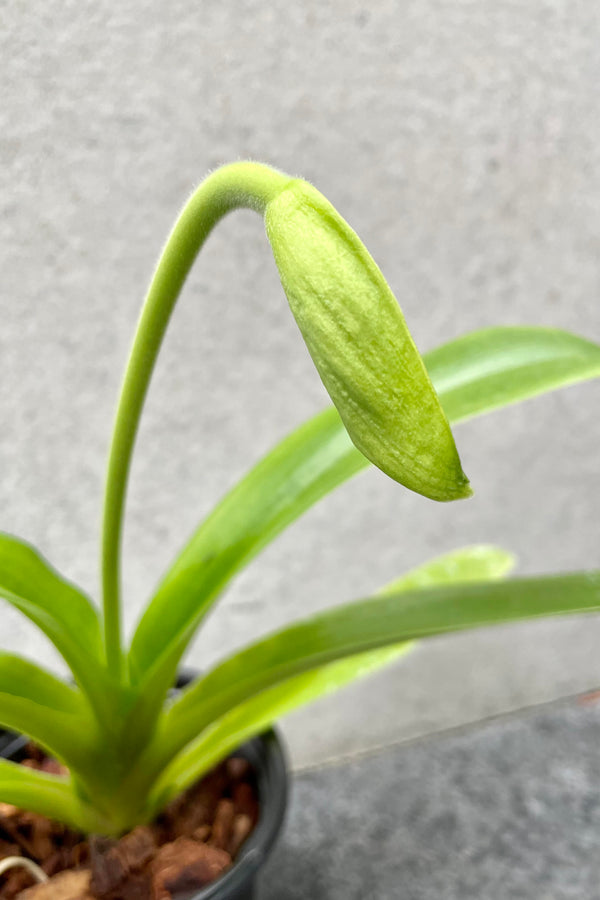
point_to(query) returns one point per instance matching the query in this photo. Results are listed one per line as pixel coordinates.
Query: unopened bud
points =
(359, 341)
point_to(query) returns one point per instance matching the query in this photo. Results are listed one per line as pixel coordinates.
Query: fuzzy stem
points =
(243, 184)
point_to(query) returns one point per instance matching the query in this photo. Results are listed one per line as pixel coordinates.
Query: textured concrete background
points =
(462, 141)
(507, 810)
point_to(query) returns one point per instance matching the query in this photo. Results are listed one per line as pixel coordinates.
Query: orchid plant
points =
(129, 746)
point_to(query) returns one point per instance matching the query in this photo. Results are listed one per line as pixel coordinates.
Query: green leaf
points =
(59, 609)
(473, 374)
(479, 562)
(259, 712)
(304, 467)
(491, 368)
(34, 702)
(359, 341)
(48, 795)
(367, 625)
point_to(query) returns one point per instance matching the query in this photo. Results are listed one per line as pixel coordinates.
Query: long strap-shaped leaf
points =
(259, 712)
(60, 610)
(48, 795)
(36, 703)
(254, 716)
(473, 374)
(366, 625)
(494, 367)
(304, 467)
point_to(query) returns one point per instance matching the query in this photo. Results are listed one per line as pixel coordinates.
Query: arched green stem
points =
(243, 184)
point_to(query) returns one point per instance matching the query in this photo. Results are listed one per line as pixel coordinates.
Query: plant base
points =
(207, 844)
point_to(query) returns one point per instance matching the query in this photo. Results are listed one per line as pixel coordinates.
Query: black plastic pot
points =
(267, 757)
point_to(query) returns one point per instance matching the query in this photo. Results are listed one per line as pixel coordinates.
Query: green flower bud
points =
(358, 339)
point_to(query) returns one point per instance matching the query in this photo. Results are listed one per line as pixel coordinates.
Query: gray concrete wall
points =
(462, 141)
